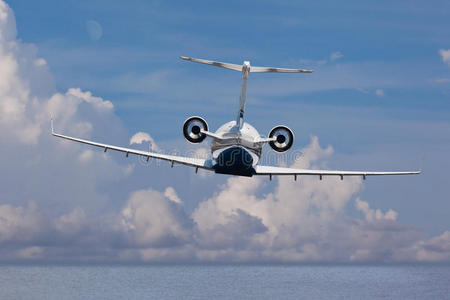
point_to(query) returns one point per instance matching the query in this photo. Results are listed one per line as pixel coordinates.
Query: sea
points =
(223, 281)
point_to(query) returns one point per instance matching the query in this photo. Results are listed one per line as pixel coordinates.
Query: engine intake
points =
(284, 138)
(192, 129)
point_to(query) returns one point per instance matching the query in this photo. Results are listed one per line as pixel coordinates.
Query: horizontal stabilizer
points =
(214, 63)
(278, 70)
(239, 67)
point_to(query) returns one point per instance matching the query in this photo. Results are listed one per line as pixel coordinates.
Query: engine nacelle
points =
(284, 138)
(192, 129)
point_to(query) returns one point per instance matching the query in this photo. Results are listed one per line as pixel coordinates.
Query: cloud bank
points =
(46, 218)
(301, 221)
(445, 55)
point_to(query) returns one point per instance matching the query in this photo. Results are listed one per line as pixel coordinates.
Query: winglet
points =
(51, 124)
(421, 164)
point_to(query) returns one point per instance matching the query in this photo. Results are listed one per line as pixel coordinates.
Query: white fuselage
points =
(238, 147)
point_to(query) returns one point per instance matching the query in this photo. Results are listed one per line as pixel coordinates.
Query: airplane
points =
(236, 146)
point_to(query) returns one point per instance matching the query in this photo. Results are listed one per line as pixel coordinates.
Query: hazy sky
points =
(379, 99)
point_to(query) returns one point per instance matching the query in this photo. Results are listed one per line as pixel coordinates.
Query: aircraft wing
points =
(189, 161)
(268, 170)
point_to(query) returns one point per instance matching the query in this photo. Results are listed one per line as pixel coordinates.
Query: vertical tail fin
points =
(246, 69)
(245, 72)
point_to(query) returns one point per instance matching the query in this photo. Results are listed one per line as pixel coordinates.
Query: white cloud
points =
(128, 169)
(152, 219)
(300, 221)
(30, 253)
(336, 55)
(86, 155)
(442, 80)
(435, 249)
(19, 224)
(72, 223)
(445, 55)
(40, 62)
(24, 105)
(37, 161)
(379, 92)
(170, 194)
(290, 223)
(374, 214)
(141, 137)
(318, 63)
(7, 23)
(96, 102)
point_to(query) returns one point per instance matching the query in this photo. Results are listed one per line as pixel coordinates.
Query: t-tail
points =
(246, 69)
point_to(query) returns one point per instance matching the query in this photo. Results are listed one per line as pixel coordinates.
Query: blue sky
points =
(380, 93)
(393, 47)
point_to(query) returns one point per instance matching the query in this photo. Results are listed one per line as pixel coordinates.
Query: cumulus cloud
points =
(148, 219)
(86, 155)
(40, 62)
(7, 23)
(36, 162)
(434, 249)
(141, 137)
(299, 221)
(379, 92)
(442, 80)
(172, 195)
(445, 55)
(372, 214)
(153, 219)
(97, 102)
(20, 224)
(333, 57)
(336, 55)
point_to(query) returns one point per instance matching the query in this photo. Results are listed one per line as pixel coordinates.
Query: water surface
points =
(224, 282)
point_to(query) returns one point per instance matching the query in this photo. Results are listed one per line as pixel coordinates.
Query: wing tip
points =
(422, 160)
(51, 126)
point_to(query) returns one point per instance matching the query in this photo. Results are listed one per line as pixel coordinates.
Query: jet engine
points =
(192, 129)
(284, 138)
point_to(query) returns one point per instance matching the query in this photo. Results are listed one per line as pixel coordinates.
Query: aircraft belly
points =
(235, 160)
